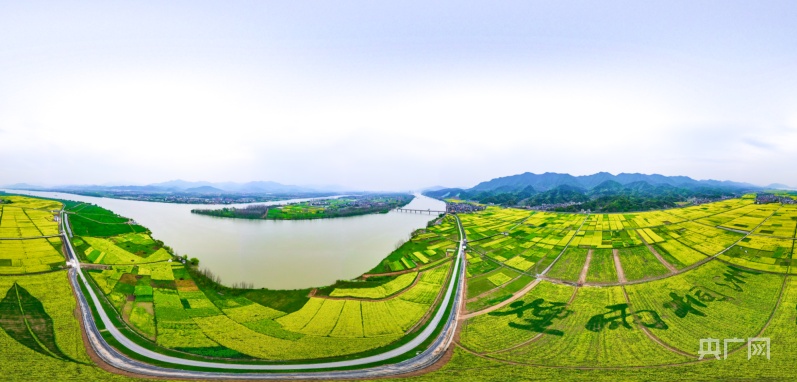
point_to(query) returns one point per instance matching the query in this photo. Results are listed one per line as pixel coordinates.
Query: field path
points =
(653, 336)
(504, 303)
(582, 278)
(29, 237)
(472, 299)
(658, 256)
(618, 266)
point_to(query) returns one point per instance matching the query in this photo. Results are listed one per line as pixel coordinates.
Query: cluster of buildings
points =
(696, 201)
(454, 208)
(354, 202)
(553, 206)
(772, 198)
(191, 199)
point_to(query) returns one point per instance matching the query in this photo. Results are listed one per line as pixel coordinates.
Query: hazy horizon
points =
(397, 96)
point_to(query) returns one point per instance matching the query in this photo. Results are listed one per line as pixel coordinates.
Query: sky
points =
(395, 95)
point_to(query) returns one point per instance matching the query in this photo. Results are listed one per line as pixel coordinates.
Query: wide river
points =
(268, 253)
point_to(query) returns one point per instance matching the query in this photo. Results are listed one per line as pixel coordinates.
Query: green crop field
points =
(425, 249)
(90, 220)
(18, 222)
(601, 268)
(30, 255)
(639, 263)
(569, 266)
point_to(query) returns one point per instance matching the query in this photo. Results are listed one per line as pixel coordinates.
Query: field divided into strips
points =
(426, 248)
(601, 268)
(508, 247)
(32, 203)
(706, 210)
(639, 263)
(382, 291)
(17, 222)
(106, 251)
(488, 281)
(764, 253)
(743, 219)
(30, 255)
(320, 317)
(596, 330)
(522, 240)
(714, 300)
(687, 243)
(781, 224)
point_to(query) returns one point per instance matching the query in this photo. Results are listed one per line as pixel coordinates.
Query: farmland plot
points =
(714, 300)
(599, 329)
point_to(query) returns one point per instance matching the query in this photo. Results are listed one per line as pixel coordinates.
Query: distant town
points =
(199, 198)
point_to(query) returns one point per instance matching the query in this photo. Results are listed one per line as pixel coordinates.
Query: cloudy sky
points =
(399, 95)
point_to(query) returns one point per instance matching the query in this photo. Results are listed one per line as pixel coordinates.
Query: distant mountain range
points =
(779, 186)
(550, 180)
(182, 186)
(598, 192)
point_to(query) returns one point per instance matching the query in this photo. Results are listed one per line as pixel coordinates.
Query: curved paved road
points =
(420, 361)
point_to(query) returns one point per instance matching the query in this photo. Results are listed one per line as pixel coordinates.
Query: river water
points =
(271, 254)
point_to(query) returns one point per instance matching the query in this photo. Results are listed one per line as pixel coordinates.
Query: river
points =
(267, 253)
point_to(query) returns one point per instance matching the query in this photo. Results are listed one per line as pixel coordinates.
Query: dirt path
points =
(583, 277)
(618, 266)
(658, 256)
(653, 336)
(472, 299)
(504, 303)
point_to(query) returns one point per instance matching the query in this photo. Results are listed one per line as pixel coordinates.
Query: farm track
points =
(618, 266)
(546, 270)
(644, 329)
(652, 336)
(427, 359)
(769, 320)
(417, 268)
(647, 332)
(658, 256)
(472, 299)
(504, 303)
(683, 270)
(582, 282)
(29, 237)
(99, 222)
(531, 285)
(582, 278)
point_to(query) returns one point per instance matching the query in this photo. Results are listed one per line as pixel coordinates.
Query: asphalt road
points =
(274, 371)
